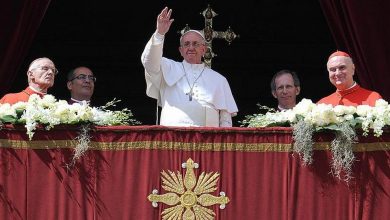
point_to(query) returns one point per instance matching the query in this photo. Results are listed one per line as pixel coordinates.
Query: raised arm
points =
(151, 57)
(164, 21)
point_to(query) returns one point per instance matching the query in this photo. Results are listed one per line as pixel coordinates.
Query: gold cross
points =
(211, 34)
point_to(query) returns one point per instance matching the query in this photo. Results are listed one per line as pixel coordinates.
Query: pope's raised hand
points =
(164, 21)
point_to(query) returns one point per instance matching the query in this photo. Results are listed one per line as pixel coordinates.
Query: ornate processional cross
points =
(211, 34)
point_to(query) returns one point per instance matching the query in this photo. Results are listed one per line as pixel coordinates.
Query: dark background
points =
(109, 37)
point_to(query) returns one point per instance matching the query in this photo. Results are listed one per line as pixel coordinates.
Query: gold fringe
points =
(163, 145)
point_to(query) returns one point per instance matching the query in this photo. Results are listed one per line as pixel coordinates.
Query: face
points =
(192, 48)
(42, 73)
(286, 91)
(82, 85)
(341, 71)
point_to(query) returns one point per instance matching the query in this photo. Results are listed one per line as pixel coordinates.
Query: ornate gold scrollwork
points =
(188, 196)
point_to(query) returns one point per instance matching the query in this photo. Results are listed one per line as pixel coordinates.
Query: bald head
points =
(37, 62)
(41, 73)
(341, 70)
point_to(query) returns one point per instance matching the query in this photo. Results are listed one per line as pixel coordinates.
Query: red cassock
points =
(352, 97)
(22, 96)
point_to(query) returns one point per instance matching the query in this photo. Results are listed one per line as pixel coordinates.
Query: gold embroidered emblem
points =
(189, 195)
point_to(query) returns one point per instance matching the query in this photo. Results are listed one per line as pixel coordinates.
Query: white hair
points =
(33, 64)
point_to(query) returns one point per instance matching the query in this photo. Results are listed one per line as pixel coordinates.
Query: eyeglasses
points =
(47, 68)
(194, 44)
(84, 77)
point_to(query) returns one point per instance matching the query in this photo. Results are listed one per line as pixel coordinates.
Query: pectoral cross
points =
(190, 94)
(211, 34)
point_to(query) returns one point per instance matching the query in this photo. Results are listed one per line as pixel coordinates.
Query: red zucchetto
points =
(338, 53)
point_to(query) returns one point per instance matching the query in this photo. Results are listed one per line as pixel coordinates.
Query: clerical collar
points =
(353, 85)
(193, 68)
(80, 101)
(281, 108)
(353, 88)
(36, 91)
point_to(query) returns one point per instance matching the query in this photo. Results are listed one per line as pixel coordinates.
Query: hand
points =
(164, 21)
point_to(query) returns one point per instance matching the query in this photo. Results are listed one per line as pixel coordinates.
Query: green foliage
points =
(308, 118)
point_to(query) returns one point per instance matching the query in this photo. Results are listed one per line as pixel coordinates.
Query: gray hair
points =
(32, 66)
(283, 72)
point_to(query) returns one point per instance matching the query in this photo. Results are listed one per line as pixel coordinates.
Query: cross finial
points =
(211, 34)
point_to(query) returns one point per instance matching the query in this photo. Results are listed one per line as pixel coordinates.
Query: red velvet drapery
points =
(362, 29)
(258, 172)
(19, 22)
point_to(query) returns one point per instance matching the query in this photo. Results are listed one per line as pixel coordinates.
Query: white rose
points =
(49, 99)
(304, 107)
(340, 110)
(363, 110)
(34, 98)
(350, 110)
(6, 109)
(381, 103)
(323, 115)
(19, 106)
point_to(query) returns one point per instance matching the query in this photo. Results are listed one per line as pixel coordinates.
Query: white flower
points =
(321, 115)
(275, 118)
(62, 111)
(102, 117)
(348, 117)
(344, 110)
(377, 126)
(381, 103)
(379, 112)
(350, 110)
(304, 107)
(34, 98)
(6, 109)
(47, 101)
(363, 110)
(290, 116)
(325, 116)
(82, 111)
(50, 112)
(30, 126)
(19, 106)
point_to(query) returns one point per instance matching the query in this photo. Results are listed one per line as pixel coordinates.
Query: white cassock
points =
(189, 94)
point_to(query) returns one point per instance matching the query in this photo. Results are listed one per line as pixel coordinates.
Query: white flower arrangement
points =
(307, 118)
(323, 116)
(49, 112)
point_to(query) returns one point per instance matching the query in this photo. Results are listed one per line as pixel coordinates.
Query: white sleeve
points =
(151, 59)
(152, 54)
(225, 119)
